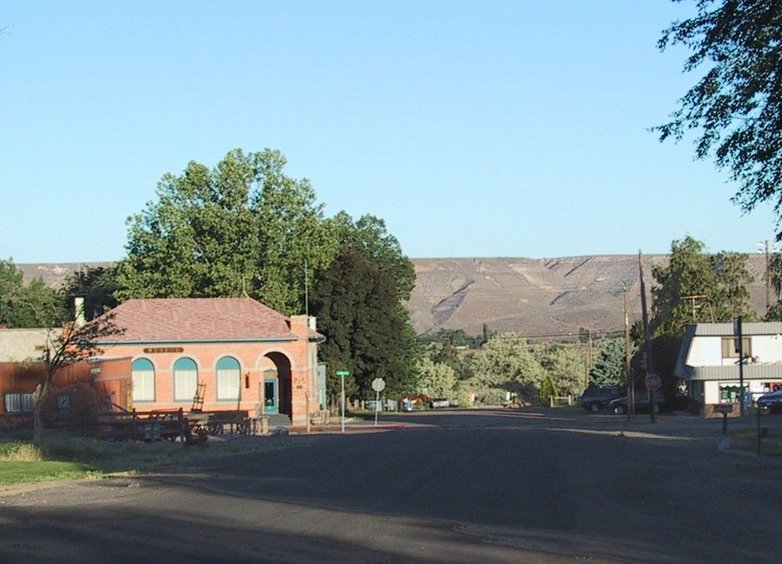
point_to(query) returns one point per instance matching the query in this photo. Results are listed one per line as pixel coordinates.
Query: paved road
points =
(456, 486)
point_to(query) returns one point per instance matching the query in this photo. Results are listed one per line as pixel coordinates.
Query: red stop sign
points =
(653, 382)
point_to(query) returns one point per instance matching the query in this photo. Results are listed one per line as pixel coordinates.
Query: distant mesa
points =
(533, 297)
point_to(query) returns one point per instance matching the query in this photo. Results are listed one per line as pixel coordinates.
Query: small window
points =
(63, 402)
(19, 402)
(729, 347)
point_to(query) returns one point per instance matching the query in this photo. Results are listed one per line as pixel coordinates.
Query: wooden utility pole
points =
(629, 381)
(647, 336)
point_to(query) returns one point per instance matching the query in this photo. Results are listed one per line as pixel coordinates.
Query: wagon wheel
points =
(214, 428)
(243, 428)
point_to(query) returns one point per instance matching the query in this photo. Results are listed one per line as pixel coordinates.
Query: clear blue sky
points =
(474, 128)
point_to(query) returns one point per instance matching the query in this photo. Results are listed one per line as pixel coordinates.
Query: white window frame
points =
(185, 380)
(143, 383)
(228, 381)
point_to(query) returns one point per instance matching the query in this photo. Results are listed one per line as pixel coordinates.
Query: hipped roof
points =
(172, 320)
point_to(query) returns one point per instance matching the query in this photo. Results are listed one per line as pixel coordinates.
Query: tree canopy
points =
(610, 368)
(564, 366)
(699, 287)
(97, 286)
(506, 362)
(436, 379)
(241, 228)
(358, 301)
(245, 228)
(735, 108)
(26, 305)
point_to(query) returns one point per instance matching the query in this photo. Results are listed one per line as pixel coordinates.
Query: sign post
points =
(342, 374)
(653, 383)
(378, 384)
(738, 339)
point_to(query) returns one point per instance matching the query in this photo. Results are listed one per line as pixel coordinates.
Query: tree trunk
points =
(39, 400)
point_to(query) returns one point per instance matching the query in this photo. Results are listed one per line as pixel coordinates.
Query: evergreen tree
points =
(359, 303)
(610, 366)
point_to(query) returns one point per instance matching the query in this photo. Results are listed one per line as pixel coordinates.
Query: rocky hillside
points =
(535, 297)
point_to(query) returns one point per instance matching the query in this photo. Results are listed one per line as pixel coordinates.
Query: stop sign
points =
(378, 384)
(653, 382)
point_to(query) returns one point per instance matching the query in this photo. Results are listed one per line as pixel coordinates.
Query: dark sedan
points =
(619, 405)
(772, 401)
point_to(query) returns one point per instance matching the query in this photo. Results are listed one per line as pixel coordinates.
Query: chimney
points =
(78, 311)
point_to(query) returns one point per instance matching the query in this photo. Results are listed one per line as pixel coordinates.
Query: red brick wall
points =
(254, 360)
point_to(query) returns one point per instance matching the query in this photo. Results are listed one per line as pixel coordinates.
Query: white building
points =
(709, 363)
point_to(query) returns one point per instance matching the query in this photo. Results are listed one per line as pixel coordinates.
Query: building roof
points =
(747, 329)
(176, 320)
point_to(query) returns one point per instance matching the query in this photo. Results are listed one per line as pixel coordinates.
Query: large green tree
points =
(33, 304)
(695, 286)
(735, 107)
(563, 363)
(507, 362)
(435, 379)
(359, 303)
(240, 228)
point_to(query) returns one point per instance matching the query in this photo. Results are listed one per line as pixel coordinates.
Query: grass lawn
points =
(13, 472)
(67, 456)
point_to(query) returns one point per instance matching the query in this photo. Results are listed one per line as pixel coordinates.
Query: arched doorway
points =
(276, 387)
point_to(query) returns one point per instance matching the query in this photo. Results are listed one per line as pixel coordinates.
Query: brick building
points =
(231, 353)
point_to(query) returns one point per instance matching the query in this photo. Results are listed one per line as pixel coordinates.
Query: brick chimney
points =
(78, 311)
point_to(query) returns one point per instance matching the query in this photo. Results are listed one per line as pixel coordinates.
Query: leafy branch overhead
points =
(735, 109)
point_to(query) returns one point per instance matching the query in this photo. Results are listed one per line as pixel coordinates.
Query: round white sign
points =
(378, 384)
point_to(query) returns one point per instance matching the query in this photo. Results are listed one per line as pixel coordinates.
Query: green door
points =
(270, 399)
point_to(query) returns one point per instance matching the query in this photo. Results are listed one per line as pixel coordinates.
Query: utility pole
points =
(738, 335)
(763, 248)
(647, 336)
(628, 371)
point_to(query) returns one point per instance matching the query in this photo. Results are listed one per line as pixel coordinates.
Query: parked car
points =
(596, 398)
(437, 403)
(771, 401)
(619, 405)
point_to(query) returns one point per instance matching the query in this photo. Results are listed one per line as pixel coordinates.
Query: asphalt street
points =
(529, 485)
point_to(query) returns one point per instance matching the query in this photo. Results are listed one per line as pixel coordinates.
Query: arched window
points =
(228, 378)
(143, 380)
(185, 379)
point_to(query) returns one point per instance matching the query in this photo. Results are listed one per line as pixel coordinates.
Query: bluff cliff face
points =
(537, 297)
(534, 297)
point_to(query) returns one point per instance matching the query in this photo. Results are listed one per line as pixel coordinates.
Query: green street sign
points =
(343, 373)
